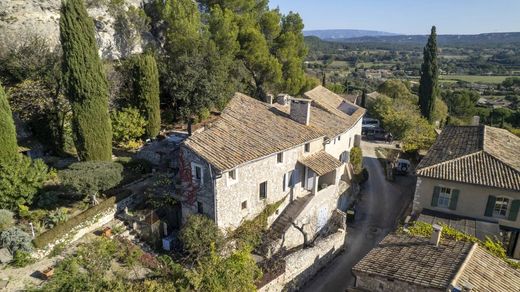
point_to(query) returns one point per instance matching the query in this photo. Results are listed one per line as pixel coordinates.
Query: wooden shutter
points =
(490, 205)
(513, 212)
(435, 197)
(453, 200)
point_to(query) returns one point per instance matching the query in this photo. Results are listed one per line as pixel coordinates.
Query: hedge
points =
(62, 229)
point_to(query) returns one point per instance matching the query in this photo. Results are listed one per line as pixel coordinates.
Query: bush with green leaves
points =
(89, 178)
(20, 179)
(356, 159)
(199, 234)
(22, 259)
(6, 219)
(15, 239)
(127, 125)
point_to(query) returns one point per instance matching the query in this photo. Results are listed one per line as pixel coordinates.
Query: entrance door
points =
(309, 185)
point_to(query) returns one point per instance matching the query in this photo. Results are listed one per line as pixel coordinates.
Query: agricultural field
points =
(474, 78)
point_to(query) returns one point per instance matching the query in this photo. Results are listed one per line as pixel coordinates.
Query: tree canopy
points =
(8, 144)
(429, 83)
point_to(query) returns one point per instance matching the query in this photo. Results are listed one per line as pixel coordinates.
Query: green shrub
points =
(127, 125)
(62, 229)
(6, 219)
(198, 234)
(88, 178)
(20, 180)
(15, 239)
(356, 159)
(137, 166)
(22, 259)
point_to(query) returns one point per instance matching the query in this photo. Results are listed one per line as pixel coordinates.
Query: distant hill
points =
(338, 34)
(477, 39)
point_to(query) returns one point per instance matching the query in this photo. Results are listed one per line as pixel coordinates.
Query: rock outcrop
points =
(20, 19)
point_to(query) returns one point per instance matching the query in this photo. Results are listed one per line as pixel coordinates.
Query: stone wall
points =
(381, 284)
(303, 264)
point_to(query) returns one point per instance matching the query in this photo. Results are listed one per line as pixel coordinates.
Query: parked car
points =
(370, 123)
(375, 133)
(402, 167)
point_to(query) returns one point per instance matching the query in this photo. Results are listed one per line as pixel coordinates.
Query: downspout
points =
(214, 182)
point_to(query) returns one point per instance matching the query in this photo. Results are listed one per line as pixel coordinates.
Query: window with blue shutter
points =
(435, 197)
(489, 206)
(513, 213)
(454, 199)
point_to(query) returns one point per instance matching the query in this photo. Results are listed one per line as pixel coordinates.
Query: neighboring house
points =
(402, 262)
(258, 153)
(474, 172)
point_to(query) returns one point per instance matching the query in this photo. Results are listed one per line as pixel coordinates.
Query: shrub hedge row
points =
(62, 229)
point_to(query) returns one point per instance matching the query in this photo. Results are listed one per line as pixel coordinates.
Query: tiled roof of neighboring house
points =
(415, 260)
(249, 129)
(474, 154)
(485, 272)
(351, 98)
(335, 104)
(321, 162)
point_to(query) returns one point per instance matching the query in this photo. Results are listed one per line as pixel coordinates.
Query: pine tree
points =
(146, 88)
(85, 83)
(8, 145)
(429, 83)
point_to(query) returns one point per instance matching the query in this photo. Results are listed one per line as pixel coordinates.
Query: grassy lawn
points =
(474, 78)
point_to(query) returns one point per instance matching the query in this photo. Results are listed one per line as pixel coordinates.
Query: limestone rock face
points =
(20, 19)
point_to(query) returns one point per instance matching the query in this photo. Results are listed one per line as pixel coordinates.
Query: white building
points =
(259, 153)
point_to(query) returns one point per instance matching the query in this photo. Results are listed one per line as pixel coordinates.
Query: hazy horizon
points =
(407, 17)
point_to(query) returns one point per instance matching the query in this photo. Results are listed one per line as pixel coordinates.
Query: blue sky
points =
(408, 16)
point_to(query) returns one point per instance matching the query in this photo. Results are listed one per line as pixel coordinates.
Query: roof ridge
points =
(463, 265)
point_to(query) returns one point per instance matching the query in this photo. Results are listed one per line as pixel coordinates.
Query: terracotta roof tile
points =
(474, 154)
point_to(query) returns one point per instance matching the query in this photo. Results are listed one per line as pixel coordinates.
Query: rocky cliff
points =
(20, 19)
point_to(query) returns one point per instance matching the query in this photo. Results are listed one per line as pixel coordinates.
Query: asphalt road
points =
(381, 204)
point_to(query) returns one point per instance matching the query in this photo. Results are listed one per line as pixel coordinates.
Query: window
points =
(444, 198)
(334, 141)
(290, 179)
(233, 174)
(339, 138)
(197, 173)
(501, 207)
(279, 157)
(200, 210)
(308, 147)
(244, 205)
(263, 191)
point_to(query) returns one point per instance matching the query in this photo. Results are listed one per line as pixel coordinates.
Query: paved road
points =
(382, 202)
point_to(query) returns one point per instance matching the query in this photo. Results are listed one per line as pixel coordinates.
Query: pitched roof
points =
(249, 129)
(474, 154)
(415, 260)
(334, 103)
(321, 162)
(485, 272)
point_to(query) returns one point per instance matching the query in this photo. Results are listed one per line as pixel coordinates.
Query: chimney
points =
(475, 121)
(269, 98)
(282, 99)
(301, 110)
(436, 235)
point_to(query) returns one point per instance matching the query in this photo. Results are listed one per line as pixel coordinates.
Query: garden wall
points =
(303, 264)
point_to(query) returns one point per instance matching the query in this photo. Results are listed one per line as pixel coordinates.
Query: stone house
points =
(403, 262)
(294, 151)
(474, 172)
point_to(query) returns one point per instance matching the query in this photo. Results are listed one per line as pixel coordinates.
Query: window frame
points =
(200, 208)
(507, 201)
(279, 158)
(445, 196)
(194, 168)
(262, 191)
(243, 205)
(307, 147)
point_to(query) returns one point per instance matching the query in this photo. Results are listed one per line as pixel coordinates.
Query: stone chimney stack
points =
(301, 110)
(475, 121)
(436, 235)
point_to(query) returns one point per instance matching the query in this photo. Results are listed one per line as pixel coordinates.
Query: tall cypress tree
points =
(8, 145)
(429, 84)
(85, 83)
(146, 88)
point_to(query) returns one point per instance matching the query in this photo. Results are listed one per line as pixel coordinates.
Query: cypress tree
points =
(146, 88)
(85, 83)
(429, 83)
(8, 145)
(364, 99)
